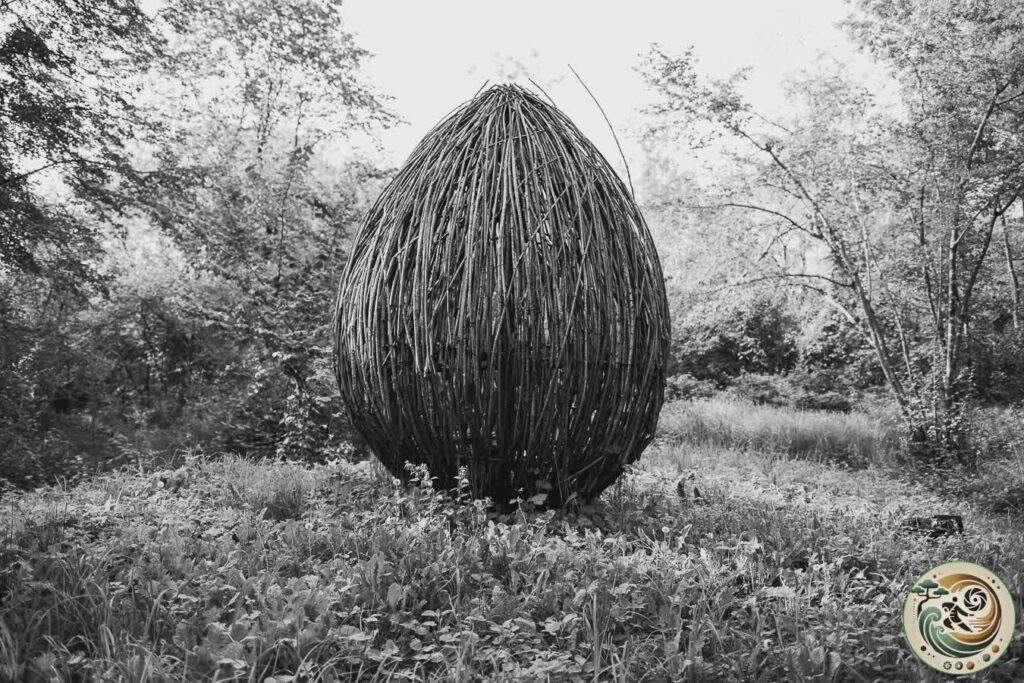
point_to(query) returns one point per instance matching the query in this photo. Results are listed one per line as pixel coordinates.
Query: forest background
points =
(180, 184)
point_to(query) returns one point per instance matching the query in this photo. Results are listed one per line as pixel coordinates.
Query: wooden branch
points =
(973, 149)
(1011, 271)
(973, 277)
(805, 276)
(21, 176)
(778, 214)
(871, 326)
(926, 271)
(772, 242)
(1012, 98)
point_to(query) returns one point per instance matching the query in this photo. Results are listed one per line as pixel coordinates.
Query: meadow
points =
(749, 544)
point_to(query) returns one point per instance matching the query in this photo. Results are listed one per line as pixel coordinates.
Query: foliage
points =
(229, 569)
(769, 349)
(216, 223)
(45, 379)
(997, 367)
(762, 389)
(67, 118)
(685, 387)
(69, 124)
(255, 201)
(731, 335)
(833, 350)
(885, 207)
(997, 438)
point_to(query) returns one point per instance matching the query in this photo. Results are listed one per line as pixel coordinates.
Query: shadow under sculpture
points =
(504, 309)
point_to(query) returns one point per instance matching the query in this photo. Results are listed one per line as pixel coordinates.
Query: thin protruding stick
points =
(625, 163)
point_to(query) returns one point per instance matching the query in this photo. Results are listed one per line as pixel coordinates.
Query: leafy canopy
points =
(67, 117)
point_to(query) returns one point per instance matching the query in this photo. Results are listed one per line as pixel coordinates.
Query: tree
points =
(69, 126)
(886, 209)
(925, 589)
(67, 118)
(261, 99)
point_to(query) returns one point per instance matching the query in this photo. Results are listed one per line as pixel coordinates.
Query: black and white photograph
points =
(544, 341)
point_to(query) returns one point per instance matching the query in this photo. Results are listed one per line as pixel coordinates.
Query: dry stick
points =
(543, 92)
(629, 177)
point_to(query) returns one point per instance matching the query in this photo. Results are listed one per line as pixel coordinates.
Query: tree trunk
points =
(946, 426)
(1014, 282)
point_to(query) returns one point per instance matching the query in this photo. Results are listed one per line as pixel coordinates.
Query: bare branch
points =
(777, 214)
(973, 278)
(772, 242)
(801, 276)
(21, 176)
(973, 149)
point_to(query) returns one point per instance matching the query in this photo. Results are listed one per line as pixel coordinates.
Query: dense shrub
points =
(767, 351)
(771, 390)
(686, 387)
(834, 401)
(47, 379)
(724, 338)
(168, 358)
(834, 356)
(997, 366)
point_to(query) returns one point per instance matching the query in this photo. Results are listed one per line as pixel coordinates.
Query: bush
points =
(834, 357)
(684, 387)
(997, 367)
(824, 389)
(770, 390)
(832, 401)
(724, 339)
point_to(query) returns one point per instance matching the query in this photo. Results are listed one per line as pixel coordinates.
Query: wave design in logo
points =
(963, 617)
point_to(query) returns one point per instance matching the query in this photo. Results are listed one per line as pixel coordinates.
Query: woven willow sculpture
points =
(504, 309)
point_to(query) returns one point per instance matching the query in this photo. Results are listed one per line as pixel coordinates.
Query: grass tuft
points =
(854, 439)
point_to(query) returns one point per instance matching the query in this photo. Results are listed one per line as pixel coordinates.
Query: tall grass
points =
(856, 439)
(277, 492)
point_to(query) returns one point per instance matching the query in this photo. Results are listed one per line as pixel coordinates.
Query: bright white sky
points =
(432, 56)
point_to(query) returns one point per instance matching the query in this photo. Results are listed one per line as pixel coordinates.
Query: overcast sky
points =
(431, 56)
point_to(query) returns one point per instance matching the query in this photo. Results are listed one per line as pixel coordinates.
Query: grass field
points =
(773, 563)
(855, 439)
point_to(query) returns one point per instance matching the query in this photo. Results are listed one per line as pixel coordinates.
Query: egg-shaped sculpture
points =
(504, 310)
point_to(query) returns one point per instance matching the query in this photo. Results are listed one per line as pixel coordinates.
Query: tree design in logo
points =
(959, 617)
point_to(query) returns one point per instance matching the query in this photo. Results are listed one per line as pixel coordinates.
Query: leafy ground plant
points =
(757, 568)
